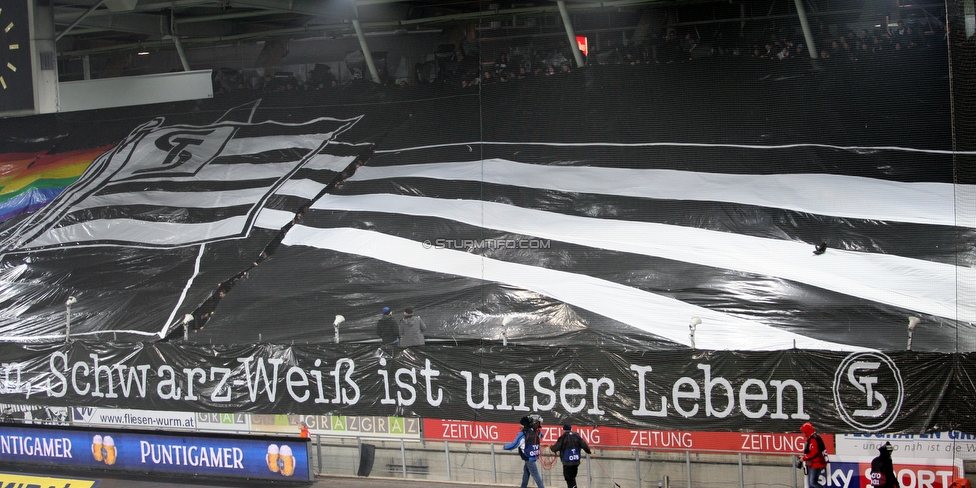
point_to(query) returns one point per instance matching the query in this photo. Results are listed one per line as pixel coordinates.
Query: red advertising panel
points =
(610, 437)
(746, 442)
(583, 44)
(460, 431)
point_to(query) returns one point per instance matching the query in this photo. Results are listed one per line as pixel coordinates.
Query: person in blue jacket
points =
(528, 441)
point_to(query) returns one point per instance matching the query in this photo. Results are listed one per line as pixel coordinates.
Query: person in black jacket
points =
(570, 447)
(882, 471)
(387, 328)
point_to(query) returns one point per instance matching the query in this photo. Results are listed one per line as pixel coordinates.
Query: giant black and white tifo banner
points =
(762, 247)
(677, 390)
(677, 280)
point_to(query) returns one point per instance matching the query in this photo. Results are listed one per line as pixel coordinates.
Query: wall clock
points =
(16, 76)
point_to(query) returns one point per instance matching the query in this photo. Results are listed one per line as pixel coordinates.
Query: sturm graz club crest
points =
(868, 391)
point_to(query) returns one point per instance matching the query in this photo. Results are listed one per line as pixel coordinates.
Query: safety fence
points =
(488, 463)
(395, 448)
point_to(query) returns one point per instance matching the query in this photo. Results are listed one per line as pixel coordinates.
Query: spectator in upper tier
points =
(688, 44)
(899, 31)
(487, 78)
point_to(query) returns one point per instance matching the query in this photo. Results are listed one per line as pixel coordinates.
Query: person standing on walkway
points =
(814, 455)
(387, 328)
(882, 469)
(528, 442)
(412, 329)
(570, 448)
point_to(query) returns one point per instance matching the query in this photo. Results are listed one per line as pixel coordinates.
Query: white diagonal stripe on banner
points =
(189, 199)
(160, 234)
(622, 303)
(883, 278)
(822, 194)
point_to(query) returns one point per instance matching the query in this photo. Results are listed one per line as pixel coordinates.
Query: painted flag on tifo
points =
(167, 186)
(143, 235)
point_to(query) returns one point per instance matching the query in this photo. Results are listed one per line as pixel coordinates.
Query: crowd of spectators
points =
(469, 64)
(864, 44)
(778, 44)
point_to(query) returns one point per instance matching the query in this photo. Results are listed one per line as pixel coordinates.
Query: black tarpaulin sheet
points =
(771, 391)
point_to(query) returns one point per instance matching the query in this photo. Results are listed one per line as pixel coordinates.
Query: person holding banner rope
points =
(564, 450)
(570, 447)
(528, 442)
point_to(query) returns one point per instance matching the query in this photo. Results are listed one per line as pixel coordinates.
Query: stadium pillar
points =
(369, 56)
(807, 35)
(571, 34)
(180, 52)
(177, 42)
(44, 64)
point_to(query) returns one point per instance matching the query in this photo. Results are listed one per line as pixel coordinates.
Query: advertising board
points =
(614, 437)
(937, 445)
(140, 419)
(854, 472)
(213, 456)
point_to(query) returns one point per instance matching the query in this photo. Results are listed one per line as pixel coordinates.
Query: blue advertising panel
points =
(234, 457)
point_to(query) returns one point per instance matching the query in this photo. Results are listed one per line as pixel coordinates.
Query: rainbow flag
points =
(29, 181)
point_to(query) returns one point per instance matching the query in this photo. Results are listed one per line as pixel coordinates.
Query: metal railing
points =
(486, 463)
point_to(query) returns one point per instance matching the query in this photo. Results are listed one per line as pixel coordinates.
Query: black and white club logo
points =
(868, 391)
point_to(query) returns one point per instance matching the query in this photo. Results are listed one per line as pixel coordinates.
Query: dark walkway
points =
(44, 480)
(322, 482)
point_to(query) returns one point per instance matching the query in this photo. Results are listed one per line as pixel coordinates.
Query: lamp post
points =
(505, 321)
(912, 322)
(338, 320)
(695, 322)
(67, 317)
(186, 326)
